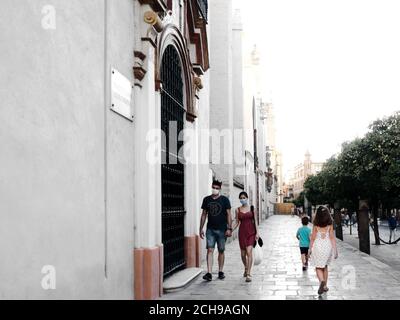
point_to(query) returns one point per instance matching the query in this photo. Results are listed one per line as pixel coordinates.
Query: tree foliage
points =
(366, 168)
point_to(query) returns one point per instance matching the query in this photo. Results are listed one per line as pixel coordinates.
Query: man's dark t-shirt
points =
(216, 211)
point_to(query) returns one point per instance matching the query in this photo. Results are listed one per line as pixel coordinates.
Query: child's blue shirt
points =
(304, 236)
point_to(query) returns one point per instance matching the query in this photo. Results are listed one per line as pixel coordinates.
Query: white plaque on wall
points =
(121, 94)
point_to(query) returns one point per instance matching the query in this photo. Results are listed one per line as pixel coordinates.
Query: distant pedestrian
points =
(392, 227)
(217, 209)
(303, 235)
(346, 218)
(353, 219)
(248, 232)
(323, 246)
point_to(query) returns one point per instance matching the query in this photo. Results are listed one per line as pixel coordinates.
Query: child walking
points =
(323, 246)
(303, 235)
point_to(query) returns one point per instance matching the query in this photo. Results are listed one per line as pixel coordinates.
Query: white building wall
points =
(204, 174)
(147, 173)
(67, 160)
(79, 192)
(221, 106)
(238, 101)
(265, 197)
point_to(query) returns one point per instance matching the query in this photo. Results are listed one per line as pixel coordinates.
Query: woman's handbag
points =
(258, 255)
(260, 241)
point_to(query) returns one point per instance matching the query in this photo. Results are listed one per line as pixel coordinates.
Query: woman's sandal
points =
(326, 289)
(245, 273)
(321, 288)
(248, 278)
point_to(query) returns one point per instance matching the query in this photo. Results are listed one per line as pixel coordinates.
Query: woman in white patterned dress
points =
(322, 246)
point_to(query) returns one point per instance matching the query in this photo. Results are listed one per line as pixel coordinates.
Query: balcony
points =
(203, 8)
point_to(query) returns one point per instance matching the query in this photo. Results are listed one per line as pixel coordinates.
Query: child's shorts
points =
(304, 250)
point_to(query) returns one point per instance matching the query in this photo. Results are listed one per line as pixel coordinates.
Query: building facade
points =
(227, 153)
(287, 192)
(91, 91)
(221, 94)
(263, 159)
(302, 171)
(274, 159)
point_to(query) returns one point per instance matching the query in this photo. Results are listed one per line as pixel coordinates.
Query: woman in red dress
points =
(248, 232)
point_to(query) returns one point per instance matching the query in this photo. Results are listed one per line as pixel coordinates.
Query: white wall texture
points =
(221, 106)
(77, 191)
(66, 175)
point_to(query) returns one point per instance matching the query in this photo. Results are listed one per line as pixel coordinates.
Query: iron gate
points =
(172, 169)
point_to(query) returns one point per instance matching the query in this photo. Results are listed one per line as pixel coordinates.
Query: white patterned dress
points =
(322, 251)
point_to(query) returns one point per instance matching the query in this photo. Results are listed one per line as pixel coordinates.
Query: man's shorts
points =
(216, 236)
(304, 250)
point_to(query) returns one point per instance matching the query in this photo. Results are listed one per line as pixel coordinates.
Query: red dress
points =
(247, 230)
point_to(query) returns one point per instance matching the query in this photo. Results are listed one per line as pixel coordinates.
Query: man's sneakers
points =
(208, 276)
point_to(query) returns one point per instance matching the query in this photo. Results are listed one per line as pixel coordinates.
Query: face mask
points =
(215, 191)
(243, 202)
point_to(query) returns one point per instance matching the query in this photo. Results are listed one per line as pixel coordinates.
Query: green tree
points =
(366, 168)
(299, 201)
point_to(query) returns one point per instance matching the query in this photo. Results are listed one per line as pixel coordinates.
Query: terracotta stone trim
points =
(161, 263)
(139, 54)
(200, 40)
(138, 70)
(192, 251)
(198, 250)
(139, 73)
(169, 4)
(148, 273)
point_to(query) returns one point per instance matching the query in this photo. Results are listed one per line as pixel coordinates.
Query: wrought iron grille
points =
(172, 169)
(203, 7)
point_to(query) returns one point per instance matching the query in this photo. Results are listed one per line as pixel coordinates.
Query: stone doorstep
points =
(181, 279)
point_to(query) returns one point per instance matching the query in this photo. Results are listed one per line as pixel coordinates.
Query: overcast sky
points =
(330, 67)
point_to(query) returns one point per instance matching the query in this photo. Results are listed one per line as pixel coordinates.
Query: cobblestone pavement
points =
(353, 276)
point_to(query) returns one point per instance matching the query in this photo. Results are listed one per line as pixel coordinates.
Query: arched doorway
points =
(172, 169)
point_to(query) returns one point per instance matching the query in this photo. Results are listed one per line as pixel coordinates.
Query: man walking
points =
(217, 208)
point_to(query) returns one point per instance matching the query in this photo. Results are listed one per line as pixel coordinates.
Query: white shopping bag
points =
(258, 255)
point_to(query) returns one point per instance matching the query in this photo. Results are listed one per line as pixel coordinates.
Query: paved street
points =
(389, 254)
(280, 276)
